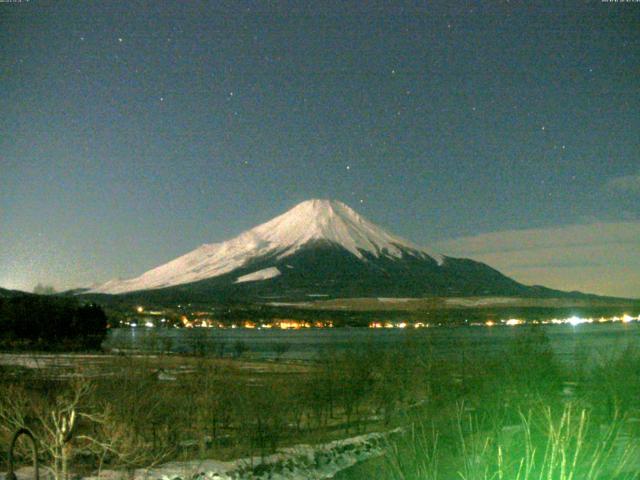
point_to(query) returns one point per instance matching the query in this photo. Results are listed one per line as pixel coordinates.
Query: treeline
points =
(50, 323)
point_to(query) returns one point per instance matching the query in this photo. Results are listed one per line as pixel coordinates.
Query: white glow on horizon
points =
(573, 321)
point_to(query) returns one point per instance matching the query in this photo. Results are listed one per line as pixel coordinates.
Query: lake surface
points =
(570, 343)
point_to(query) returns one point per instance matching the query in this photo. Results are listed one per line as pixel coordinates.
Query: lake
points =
(593, 340)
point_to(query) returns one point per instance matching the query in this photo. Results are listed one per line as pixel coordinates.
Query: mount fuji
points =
(319, 248)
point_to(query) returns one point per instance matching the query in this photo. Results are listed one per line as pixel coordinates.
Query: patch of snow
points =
(394, 300)
(313, 462)
(263, 274)
(289, 304)
(477, 302)
(282, 236)
(166, 377)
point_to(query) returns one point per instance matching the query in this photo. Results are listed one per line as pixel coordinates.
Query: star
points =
(162, 99)
(348, 167)
(119, 39)
(543, 128)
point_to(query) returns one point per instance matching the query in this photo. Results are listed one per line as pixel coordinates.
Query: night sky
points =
(132, 132)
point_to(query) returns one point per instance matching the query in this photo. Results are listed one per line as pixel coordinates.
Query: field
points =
(454, 303)
(513, 413)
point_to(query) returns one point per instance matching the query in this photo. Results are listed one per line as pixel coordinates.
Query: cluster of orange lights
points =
(281, 324)
(297, 324)
(398, 325)
(199, 323)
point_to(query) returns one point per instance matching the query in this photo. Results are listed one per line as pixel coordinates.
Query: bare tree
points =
(72, 422)
(53, 425)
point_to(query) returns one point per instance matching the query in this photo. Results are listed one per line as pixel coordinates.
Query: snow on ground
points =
(300, 462)
(264, 274)
(477, 302)
(290, 304)
(52, 361)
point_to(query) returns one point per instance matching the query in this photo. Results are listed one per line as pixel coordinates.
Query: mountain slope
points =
(313, 220)
(319, 248)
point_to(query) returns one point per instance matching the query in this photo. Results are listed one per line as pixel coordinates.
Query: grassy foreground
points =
(516, 413)
(522, 416)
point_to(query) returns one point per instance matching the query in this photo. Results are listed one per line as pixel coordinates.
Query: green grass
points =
(517, 413)
(525, 416)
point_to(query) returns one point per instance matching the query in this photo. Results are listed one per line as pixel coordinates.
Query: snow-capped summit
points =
(326, 221)
(332, 221)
